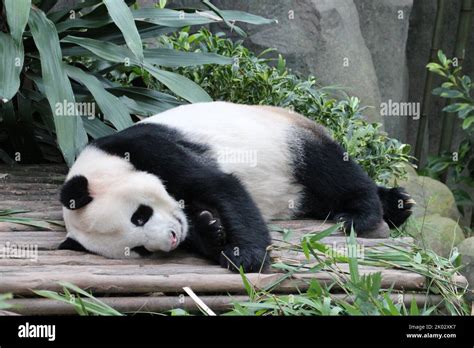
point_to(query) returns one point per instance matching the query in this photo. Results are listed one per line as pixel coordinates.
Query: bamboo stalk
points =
(426, 102)
(462, 36)
(40, 306)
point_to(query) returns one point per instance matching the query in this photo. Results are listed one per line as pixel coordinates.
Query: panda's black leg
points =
(337, 187)
(246, 234)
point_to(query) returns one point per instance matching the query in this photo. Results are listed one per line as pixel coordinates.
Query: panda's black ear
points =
(71, 244)
(75, 192)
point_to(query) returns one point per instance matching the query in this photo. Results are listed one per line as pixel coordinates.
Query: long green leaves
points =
(178, 84)
(70, 132)
(114, 110)
(123, 18)
(174, 18)
(11, 62)
(11, 47)
(17, 17)
(173, 58)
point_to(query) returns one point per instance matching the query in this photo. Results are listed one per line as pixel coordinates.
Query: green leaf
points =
(231, 25)
(96, 128)
(442, 58)
(174, 58)
(352, 259)
(417, 258)
(104, 50)
(149, 102)
(11, 63)
(468, 122)
(455, 107)
(112, 107)
(180, 85)
(18, 12)
(327, 232)
(123, 18)
(248, 287)
(414, 307)
(70, 132)
(451, 94)
(82, 23)
(174, 18)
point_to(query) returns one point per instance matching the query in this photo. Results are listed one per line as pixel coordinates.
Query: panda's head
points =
(114, 210)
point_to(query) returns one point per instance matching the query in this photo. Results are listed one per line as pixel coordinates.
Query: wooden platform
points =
(153, 284)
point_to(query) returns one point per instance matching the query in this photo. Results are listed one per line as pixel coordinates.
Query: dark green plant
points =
(50, 59)
(462, 36)
(254, 79)
(459, 164)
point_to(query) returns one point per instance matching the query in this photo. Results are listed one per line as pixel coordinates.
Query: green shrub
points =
(254, 79)
(457, 88)
(50, 59)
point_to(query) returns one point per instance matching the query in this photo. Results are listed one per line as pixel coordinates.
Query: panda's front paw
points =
(210, 228)
(251, 259)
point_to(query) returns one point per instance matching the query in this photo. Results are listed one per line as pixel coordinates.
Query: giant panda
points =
(208, 176)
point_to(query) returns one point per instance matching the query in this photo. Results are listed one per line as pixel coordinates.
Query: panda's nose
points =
(174, 238)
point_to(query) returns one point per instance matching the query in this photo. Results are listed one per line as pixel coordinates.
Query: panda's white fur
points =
(258, 133)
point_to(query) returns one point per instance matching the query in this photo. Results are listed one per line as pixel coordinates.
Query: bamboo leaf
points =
(414, 307)
(123, 18)
(18, 12)
(112, 107)
(11, 63)
(352, 259)
(70, 132)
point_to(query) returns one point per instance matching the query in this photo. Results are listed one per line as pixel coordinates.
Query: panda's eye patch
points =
(142, 215)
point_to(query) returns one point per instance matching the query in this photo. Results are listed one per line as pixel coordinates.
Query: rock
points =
(388, 29)
(466, 249)
(431, 196)
(435, 232)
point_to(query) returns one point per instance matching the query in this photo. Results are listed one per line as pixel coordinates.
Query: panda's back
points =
(256, 143)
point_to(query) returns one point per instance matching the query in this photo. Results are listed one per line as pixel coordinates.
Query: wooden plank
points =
(145, 279)
(51, 239)
(160, 304)
(69, 257)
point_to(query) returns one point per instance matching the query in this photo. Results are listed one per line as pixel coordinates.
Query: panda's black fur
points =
(335, 187)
